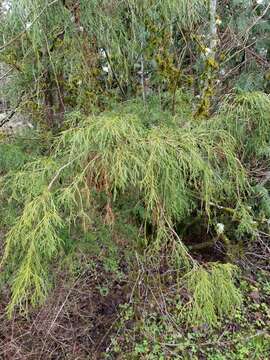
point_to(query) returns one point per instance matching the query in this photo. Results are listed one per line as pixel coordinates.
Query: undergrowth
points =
(159, 333)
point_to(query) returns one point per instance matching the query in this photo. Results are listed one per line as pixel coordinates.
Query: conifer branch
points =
(17, 37)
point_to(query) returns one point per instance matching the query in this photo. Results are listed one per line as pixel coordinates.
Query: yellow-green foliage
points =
(30, 180)
(168, 170)
(30, 245)
(247, 117)
(170, 166)
(214, 293)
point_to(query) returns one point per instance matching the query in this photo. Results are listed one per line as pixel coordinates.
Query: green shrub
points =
(169, 171)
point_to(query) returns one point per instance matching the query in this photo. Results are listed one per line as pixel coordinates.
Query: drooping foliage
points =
(214, 293)
(247, 119)
(122, 147)
(168, 173)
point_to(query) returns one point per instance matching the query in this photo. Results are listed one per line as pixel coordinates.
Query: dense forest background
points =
(134, 171)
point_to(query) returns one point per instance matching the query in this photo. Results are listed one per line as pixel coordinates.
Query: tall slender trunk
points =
(210, 63)
(49, 101)
(61, 93)
(142, 80)
(213, 26)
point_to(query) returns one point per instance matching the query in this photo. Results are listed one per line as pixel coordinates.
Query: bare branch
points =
(6, 74)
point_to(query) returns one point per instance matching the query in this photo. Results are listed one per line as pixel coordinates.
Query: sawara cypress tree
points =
(81, 69)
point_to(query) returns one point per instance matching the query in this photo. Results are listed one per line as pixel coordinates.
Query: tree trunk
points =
(213, 27)
(49, 101)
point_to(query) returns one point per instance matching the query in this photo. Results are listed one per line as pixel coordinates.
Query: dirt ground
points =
(75, 323)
